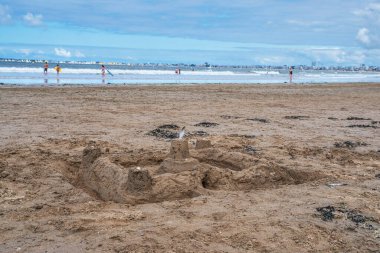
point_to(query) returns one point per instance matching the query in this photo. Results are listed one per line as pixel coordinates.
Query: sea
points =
(29, 74)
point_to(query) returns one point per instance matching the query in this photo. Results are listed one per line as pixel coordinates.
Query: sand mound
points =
(183, 174)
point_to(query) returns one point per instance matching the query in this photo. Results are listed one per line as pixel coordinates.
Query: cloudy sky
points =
(270, 32)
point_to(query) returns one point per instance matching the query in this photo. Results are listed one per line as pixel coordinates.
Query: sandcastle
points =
(181, 174)
(114, 182)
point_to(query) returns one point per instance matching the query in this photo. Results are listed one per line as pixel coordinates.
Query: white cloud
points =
(67, 53)
(24, 51)
(373, 9)
(32, 19)
(337, 56)
(62, 52)
(363, 36)
(79, 54)
(369, 36)
(5, 17)
(272, 60)
(370, 14)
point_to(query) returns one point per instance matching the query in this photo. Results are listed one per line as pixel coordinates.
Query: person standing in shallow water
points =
(103, 74)
(290, 74)
(46, 66)
(58, 69)
(103, 70)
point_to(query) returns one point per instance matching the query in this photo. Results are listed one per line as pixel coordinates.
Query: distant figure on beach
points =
(46, 66)
(176, 71)
(58, 69)
(103, 70)
(290, 74)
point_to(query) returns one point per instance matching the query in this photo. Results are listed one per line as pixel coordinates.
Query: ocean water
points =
(16, 73)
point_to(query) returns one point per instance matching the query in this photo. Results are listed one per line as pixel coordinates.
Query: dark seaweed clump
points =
(357, 118)
(349, 144)
(296, 117)
(169, 126)
(247, 136)
(327, 212)
(362, 126)
(166, 132)
(259, 120)
(206, 124)
(230, 117)
(197, 133)
(355, 217)
(249, 149)
(162, 133)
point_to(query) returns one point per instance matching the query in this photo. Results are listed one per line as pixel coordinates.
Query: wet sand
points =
(295, 168)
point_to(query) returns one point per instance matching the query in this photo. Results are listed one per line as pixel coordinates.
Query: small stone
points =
(38, 206)
(4, 174)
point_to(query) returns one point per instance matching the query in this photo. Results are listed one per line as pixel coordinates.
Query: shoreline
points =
(3, 85)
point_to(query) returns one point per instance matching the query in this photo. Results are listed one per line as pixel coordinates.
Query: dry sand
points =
(287, 168)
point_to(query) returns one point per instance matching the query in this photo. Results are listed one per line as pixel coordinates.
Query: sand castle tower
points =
(179, 150)
(178, 159)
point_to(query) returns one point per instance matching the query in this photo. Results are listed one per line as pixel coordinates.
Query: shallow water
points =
(32, 74)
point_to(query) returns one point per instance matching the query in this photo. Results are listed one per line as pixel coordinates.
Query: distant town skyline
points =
(257, 32)
(302, 67)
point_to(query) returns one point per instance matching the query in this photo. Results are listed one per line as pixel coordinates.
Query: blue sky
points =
(245, 32)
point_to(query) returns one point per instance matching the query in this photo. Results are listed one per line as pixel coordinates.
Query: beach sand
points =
(289, 168)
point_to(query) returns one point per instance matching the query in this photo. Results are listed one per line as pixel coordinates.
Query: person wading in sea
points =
(103, 71)
(46, 66)
(58, 69)
(290, 74)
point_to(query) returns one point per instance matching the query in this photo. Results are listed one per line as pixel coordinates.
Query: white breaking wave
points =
(119, 71)
(265, 72)
(71, 75)
(340, 76)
